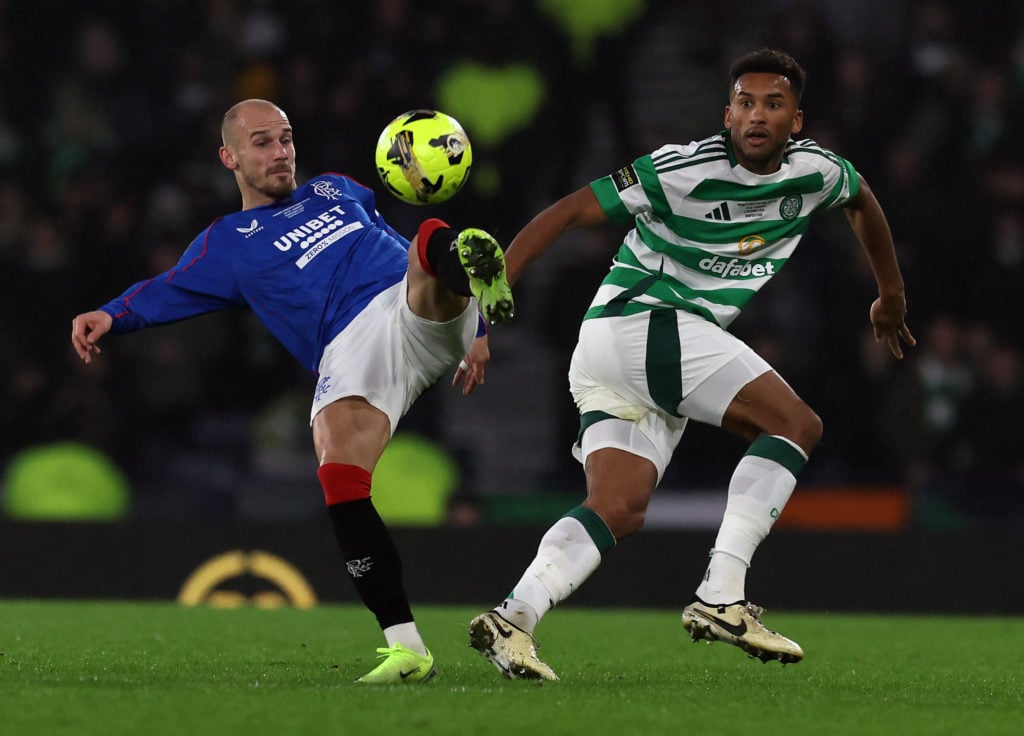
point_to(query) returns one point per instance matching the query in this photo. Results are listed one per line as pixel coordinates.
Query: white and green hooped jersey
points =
(708, 233)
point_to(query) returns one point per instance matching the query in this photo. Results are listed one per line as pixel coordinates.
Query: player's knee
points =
(799, 424)
(810, 430)
(632, 521)
(819, 428)
(624, 516)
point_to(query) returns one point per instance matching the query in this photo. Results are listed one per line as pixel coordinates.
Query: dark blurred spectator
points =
(169, 398)
(464, 509)
(99, 107)
(996, 273)
(991, 481)
(922, 415)
(857, 446)
(582, 259)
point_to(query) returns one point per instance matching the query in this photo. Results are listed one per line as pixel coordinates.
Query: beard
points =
(761, 159)
(271, 186)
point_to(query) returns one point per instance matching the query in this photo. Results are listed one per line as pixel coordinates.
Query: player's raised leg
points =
(467, 263)
(484, 263)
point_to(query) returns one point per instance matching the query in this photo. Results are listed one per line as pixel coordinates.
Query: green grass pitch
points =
(83, 668)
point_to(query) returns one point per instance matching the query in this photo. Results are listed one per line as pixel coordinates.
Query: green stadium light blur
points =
(586, 20)
(413, 481)
(491, 102)
(64, 481)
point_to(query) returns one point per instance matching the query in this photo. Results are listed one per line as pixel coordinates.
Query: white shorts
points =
(389, 356)
(656, 370)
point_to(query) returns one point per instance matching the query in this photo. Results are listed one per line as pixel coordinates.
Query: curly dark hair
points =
(771, 61)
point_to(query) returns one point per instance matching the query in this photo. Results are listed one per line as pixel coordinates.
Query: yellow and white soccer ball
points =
(423, 157)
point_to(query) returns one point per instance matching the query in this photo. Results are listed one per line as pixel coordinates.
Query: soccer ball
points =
(423, 157)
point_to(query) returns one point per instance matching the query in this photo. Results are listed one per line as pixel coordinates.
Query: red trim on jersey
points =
(343, 482)
(191, 263)
(427, 228)
(170, 274)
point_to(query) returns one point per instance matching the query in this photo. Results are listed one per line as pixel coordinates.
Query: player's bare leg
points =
(350, 435)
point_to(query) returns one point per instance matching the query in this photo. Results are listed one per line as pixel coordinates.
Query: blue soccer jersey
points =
(305, 265)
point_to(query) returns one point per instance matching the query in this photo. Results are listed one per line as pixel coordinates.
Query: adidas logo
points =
(721, 212)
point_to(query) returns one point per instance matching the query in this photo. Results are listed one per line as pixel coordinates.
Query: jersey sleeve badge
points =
(625, 177)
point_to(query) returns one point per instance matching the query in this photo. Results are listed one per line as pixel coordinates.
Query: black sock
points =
(372, 560)
(444, 260)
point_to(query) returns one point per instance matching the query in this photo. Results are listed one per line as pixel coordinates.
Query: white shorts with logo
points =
(389, 356)
(655, 370)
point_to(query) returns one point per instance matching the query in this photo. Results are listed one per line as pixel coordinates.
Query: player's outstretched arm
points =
(578, 209)
(888, 312)
(86, 330)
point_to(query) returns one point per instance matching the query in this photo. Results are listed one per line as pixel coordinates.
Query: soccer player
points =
(713, 221)
(378, 318)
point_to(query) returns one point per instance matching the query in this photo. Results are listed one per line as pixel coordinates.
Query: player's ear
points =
(728, 116)
(228, 158)
(798, 122)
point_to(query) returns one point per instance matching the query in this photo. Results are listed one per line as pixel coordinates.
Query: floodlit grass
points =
(156, 668)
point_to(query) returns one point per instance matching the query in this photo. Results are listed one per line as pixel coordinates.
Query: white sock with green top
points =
(761, 485)
(568, 553)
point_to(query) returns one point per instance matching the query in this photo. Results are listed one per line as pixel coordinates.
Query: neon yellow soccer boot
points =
(401, 665)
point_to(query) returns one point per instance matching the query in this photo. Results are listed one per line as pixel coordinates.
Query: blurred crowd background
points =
(109, 130)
